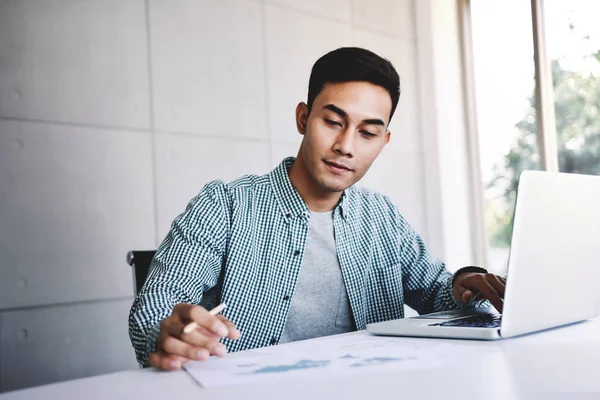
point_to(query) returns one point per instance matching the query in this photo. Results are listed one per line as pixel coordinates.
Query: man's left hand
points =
(469, 285)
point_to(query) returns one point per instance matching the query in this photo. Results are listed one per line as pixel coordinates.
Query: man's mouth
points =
(337, 166)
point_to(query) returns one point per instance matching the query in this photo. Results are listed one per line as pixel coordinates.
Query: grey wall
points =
(114, 113)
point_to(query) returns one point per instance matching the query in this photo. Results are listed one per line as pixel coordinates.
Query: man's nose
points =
(344, 143)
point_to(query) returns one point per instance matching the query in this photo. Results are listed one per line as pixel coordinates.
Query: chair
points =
(140, 261)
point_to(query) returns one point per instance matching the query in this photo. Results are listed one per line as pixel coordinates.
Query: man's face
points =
(344, 132)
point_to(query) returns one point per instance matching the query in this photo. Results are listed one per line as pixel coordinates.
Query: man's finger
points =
(203, 318)
(472, 296)
(234, 333)
(203, 338)
(178, 347)
(467, 296)
(459, 291)
(164, 361)
(481, 284)
(496, 284)
(199, 338)
(174, 360)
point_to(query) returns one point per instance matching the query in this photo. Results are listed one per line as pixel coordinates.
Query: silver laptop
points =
(553, 267)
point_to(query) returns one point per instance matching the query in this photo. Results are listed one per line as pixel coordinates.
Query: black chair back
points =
(140, 262)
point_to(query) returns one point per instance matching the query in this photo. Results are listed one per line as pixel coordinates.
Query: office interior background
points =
(114, 114)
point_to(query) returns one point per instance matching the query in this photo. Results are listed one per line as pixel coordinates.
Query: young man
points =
(300, 252)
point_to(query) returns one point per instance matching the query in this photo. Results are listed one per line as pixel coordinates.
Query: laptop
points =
(553, 266)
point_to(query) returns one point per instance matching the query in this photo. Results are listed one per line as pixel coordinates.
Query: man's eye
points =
(368, 134)
(332, 123)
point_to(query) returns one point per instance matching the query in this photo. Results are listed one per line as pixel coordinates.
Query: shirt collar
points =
(346, 202)
(291, 204)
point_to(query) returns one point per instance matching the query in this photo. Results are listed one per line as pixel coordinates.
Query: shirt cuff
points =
(151, 343)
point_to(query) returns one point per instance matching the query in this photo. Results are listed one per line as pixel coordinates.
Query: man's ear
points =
(388, 135)
(301, 117)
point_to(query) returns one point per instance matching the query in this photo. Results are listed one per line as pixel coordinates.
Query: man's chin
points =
(334, 187)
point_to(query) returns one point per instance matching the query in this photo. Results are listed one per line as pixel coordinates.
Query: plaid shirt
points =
(242, 243)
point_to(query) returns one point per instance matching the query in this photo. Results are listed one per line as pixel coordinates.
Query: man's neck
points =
(316, 198)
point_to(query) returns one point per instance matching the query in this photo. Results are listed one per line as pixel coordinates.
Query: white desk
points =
(561, 363)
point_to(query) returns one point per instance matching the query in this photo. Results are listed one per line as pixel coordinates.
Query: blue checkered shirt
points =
(242, 243)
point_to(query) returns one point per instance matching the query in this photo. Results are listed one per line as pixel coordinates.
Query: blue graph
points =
(307, 364)
(302, 364)
(379, 361)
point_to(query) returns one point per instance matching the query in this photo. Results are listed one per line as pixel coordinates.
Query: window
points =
(573, 42)
(504, 80)
(536, 77)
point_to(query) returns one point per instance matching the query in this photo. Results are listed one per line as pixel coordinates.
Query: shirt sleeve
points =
(426, 282)
(187, 264)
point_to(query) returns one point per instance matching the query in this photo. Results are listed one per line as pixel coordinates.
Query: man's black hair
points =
(353, 64)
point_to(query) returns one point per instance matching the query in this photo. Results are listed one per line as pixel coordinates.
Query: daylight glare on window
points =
(573, 41)
(504, 83)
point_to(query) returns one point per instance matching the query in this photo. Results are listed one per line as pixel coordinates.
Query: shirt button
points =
(288, 215)
(297, 253)
(274, 341)
(286, 297)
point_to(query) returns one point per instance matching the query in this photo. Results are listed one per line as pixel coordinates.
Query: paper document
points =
(357, 353)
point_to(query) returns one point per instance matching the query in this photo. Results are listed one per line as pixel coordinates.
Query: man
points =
(300, 252)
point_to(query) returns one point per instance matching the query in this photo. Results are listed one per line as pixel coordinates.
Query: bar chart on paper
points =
(346, 354)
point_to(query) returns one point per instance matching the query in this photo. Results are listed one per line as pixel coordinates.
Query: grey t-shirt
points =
(320, 305)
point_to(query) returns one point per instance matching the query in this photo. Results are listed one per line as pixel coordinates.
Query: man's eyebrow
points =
(374, 121)
(343, 114)
(336, 110)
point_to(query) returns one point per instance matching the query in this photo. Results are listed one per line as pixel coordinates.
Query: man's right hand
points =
(174, 348)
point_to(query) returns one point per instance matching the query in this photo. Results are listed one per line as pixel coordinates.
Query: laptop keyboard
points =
(475, 321)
